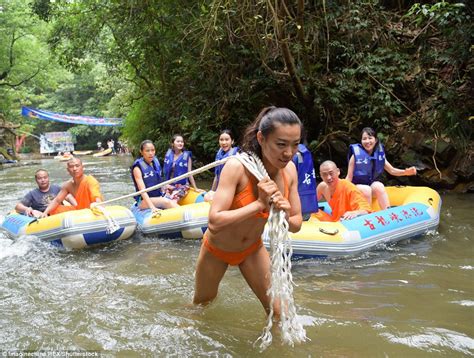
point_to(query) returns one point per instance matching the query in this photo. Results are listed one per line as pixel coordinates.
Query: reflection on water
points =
(134, 296)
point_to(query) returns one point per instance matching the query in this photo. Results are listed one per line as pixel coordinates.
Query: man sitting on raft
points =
(345, 200)
(84, 188)
(37, 200)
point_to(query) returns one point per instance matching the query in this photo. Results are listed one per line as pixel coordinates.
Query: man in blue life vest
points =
(306, 180)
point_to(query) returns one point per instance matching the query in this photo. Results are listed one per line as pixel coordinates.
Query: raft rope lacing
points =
(276, 232)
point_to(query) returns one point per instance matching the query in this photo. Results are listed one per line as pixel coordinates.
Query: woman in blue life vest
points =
(367, 162)
(226, 140)
(178, 162)
(306, 180)
(146, 172)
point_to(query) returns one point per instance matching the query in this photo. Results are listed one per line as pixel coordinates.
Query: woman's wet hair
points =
(265, 123)
(144, 143)
(370, 131)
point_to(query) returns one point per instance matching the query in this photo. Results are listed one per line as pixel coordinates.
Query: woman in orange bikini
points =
(240, 208)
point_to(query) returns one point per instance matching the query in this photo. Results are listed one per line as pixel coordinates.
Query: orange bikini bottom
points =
(233, 258)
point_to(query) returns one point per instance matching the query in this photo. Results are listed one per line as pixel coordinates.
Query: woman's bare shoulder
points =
(235, 164)
(290, 170)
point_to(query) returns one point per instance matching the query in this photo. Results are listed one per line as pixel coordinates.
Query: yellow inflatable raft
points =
(63, 158)
(414, 212)
(73, 229)
(103, 153)
(187, 221)
(82, 152)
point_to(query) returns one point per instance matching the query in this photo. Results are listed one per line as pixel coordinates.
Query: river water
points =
(132, 298)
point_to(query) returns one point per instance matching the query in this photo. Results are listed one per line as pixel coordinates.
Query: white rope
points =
(162, 184)
(112, 225)
(281, 284)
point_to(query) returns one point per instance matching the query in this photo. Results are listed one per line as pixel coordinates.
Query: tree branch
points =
(287, 55)
(11, 85)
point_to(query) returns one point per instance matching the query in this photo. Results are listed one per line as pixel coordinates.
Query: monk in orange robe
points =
(84, 188)
(345, 200)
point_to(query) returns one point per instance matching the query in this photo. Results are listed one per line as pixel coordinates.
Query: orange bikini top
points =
(246, 196)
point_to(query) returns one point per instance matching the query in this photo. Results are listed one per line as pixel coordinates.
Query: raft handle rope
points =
(35, 220)
(328, 232)
(281, 284)
(112, 224)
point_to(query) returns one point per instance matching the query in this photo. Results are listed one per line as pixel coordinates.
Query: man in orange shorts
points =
(345, 200)
(84, 188)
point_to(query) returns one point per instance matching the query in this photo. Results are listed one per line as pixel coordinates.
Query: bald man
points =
(85, 188)
(345, 200)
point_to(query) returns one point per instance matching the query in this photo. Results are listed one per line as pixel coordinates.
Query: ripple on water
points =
(435, 340)
(19, 247)
(467, 303)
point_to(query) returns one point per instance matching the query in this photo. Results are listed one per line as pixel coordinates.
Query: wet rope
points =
(281, 284)
(112, 224)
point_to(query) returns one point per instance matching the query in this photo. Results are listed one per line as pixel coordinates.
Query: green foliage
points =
(444, 33)
(25, 150)
(27, 70)
(197, 67)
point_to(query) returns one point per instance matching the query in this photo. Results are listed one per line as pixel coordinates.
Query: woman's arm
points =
(350, 168)
(231, 177)
(191, 178)
(137, 175)
(399, 172)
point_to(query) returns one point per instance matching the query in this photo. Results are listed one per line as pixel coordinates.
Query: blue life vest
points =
(306, 180)
(178, 167)
(151, 175)
(367, 168)
(221, 155)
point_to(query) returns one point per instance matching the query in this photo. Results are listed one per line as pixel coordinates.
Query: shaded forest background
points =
(196, 67)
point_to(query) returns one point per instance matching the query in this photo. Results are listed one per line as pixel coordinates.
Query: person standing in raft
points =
(84, 188)
(241, 206)
(303, 161)
(146, 172)
(178, 162)
(366, 163)
(344, 198)
(37, 200)
(226, 140)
